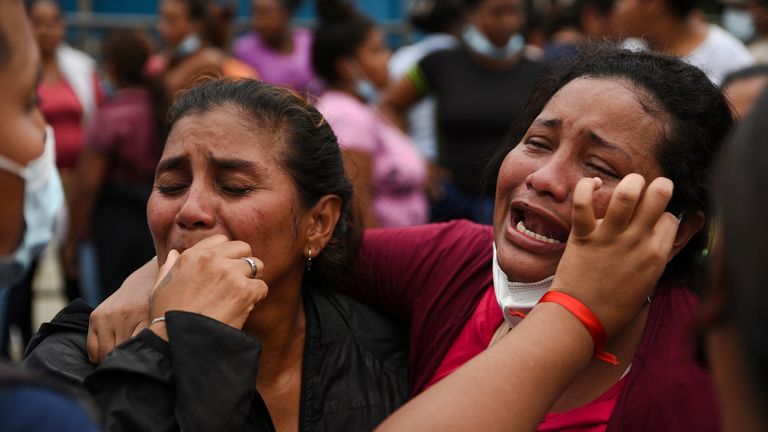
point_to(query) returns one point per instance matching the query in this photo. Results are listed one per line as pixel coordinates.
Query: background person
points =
(280, 52)
(466, 83)
(676, 27)
(388, 173)
(117, 168)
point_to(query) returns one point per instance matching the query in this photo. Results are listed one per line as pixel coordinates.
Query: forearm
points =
(511, 385)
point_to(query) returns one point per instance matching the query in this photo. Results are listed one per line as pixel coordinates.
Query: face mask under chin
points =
(516, 296)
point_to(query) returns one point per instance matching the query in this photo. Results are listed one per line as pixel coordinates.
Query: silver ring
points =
(252, 263)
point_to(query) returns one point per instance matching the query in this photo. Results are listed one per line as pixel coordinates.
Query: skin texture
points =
(22, 128)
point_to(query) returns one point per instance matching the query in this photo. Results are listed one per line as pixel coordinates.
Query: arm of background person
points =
(513, 384)
(400, 96)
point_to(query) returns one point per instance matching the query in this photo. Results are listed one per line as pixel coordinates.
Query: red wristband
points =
(587, 318)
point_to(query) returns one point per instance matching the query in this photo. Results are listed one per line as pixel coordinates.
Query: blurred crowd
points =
(417, 127)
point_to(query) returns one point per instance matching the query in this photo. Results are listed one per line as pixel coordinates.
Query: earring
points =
(309, 259)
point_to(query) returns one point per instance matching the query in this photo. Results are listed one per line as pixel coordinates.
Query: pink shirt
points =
(292, 69)
(474, 339)
(399, 172)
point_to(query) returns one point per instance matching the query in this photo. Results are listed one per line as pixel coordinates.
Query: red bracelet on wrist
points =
(587, 318)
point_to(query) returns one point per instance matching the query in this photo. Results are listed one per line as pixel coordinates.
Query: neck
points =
(279, 323)
(282, 43)
(678, 37)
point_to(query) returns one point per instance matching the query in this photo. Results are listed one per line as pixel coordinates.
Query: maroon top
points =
(125, 129)
(433, 277)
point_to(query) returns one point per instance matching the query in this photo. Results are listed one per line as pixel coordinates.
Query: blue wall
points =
(377, 9)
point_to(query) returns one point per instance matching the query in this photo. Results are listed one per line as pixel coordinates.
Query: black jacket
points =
(354, 370)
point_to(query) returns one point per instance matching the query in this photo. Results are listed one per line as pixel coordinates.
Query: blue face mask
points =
(739, 23)
(43, 197)
(190, 45)
(477, 42)
(363, 86)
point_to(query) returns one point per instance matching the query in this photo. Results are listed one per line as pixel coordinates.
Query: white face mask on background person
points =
(43, 197)
(190, 45)
(363, 86)
(477, 42)
(738, 22)
(516, 296)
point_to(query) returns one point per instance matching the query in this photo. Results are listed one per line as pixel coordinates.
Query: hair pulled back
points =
(695, 115)
(341, 32)
(309, 153)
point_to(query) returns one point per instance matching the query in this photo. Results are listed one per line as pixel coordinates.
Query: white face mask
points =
(480, 44)
(739, 23)
(516, 296)
(364, 87)
(43, 197)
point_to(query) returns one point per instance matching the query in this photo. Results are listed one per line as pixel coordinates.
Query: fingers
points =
(666, 233)
(621, 207)
(583, 209)
(170, 260)
(92, 342)
(653, 203)
(259, 267)
(106, 343)
(139, 327)
(233, 249)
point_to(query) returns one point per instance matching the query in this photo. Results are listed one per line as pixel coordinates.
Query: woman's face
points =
(218, 176)
(590, 128)
(174, 23)
(498, 20)
(633, 17)
(269, 19)
(373, 57)
(47, 26)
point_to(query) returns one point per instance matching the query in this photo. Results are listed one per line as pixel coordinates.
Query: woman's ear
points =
(690, 225)
(320, 221)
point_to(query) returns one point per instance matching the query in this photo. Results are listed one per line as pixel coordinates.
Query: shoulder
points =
(342, 110)
(245, 42)
(443, 56)
(457, 233)
(67, 53)
(342, 317)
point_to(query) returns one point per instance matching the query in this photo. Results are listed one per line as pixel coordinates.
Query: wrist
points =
(157, 326)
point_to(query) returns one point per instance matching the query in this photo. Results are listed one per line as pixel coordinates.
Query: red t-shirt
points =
(474, 339)
(62, 110)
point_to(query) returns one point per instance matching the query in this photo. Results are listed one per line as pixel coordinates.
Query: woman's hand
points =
(613, 264)
(211, 278)
(124, 314)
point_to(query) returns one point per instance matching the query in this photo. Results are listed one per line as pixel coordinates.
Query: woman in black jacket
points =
(252, 223)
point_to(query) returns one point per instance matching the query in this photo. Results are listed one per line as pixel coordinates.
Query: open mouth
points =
(539, 227)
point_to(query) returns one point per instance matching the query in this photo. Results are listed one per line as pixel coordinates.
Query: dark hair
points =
(32, 3)
(746, 73)
(341, 31)
(572, 15)
(695, 113)
(290, 6)
(436, 16)
(127, 51)
(742, 179)
(682, 8)
(196, 9)
(310, 155)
